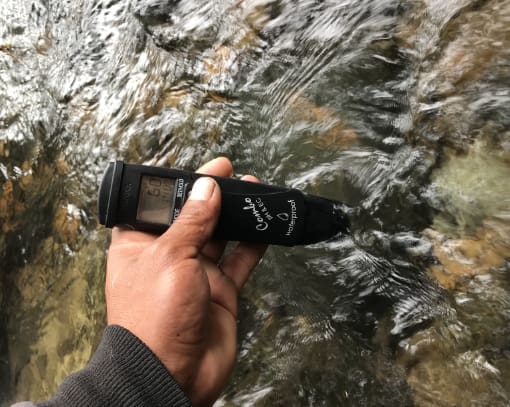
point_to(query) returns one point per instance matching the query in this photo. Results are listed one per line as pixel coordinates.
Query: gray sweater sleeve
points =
(122, 372)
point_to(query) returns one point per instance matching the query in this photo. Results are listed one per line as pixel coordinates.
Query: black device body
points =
(149, 199)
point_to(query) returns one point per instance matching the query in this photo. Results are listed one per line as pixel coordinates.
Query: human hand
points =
(178, 295)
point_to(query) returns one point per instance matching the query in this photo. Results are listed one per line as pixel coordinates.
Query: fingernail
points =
(202, 189)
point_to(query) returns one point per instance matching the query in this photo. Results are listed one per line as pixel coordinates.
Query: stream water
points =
(401, 109)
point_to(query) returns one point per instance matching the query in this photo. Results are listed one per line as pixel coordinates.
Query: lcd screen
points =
(155, 203)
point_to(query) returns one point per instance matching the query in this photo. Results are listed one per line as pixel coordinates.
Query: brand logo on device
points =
(261, 223)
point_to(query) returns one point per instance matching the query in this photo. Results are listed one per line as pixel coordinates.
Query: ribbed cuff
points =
(122, 372)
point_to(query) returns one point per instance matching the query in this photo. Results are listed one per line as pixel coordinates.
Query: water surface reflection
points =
(400, 109)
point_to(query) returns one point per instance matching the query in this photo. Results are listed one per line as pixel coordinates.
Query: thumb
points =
(195, 224)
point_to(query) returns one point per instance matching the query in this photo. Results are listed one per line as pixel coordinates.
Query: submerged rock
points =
(463, 358)
(460, 51)
(471, 231)
(60, 315)
(471, 243)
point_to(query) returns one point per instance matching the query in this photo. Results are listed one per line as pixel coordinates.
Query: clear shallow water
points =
(400, 109)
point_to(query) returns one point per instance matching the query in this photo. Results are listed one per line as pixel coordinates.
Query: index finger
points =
(239, 263)
(221, 167)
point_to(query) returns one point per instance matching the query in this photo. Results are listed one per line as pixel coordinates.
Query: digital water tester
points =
(149, 199)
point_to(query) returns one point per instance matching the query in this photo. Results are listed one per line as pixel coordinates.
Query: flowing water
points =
(401, 109)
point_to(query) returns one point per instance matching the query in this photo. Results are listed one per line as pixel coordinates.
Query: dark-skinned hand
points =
(178, 292)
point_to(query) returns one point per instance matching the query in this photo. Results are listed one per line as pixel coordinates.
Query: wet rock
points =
(463, 258)
(334, 132)
(66, 224)
(471, 232)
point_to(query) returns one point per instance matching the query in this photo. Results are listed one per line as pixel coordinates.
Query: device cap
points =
(324, 219)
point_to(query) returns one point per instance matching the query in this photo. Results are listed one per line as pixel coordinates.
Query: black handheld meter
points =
(149, 199)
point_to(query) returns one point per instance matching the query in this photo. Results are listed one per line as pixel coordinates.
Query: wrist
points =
(123, 371)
